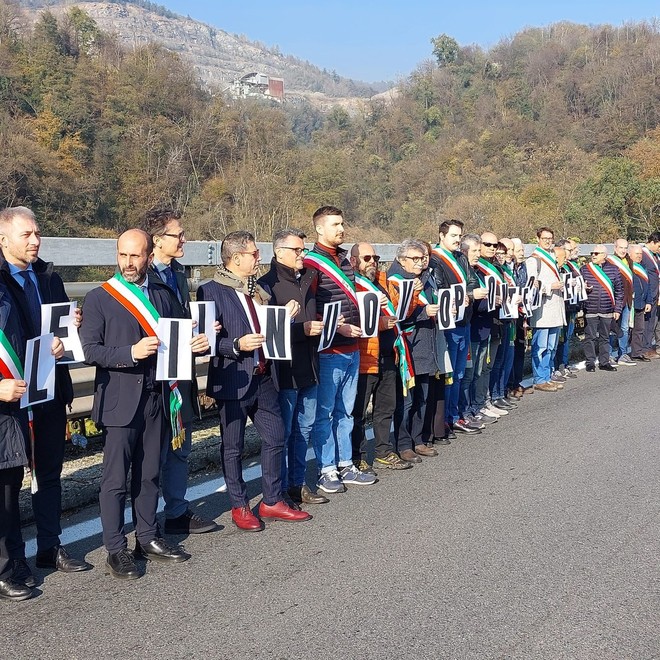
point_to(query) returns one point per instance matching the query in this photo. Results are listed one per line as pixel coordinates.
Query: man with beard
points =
(118, 338)
(339, 364)
(378, 369)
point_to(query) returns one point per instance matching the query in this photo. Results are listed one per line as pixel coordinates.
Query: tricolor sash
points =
(486, 268)
(640, 271)
(652, 257)
(547, 259)
(603, 279)
(329, 268)
(11, 367)
(508, 275)
(131, 298)
(447, 258)
(404, 359)
(622, 266)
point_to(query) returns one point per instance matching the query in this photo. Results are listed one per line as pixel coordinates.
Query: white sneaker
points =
(486, 412)
(498, 411)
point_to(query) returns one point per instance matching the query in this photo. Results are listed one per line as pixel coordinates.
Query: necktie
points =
(32, 297)
(261, 367)
(170, 279)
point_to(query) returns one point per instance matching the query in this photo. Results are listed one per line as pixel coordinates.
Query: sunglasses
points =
(490, 245)
(297, 250)
(593, 254)
(368, 257)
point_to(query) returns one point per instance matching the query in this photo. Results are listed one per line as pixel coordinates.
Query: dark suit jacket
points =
(107, 333)
(51, 290)
(229, 376)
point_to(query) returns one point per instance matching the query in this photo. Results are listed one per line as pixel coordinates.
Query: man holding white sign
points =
(297, 378)
(31, 282)
(169, 238)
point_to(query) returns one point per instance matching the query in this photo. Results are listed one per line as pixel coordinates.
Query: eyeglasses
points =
(254, 254)
(491, 245)
(180, 236)
(298, 251)
(545, 238)
(368, 257)
(501, 254)
(415, 260)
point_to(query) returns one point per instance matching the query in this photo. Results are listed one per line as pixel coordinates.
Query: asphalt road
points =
(536, 539)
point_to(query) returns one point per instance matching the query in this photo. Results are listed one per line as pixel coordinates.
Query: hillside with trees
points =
(555, 126)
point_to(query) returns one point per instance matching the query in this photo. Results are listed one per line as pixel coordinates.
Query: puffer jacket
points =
(598, 300)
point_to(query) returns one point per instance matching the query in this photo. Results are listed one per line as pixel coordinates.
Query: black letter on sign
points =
(201, 323)
(371, 314)
(444, 300)
(275, 331)
(57, 312)
(491, 283)
(36, 394)
(460, 296)
(174, 351)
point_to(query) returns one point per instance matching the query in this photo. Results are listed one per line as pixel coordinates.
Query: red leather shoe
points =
(282, 511)
(244, 519)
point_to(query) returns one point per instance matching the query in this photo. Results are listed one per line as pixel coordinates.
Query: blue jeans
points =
(458, 343)
(337, 388)
(467, 396)
(298, 414)
(174, 475)
(624, 341)
(544, 344)
(499, 376)
(562, 356)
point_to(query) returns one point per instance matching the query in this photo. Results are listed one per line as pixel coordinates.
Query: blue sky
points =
(385, 40)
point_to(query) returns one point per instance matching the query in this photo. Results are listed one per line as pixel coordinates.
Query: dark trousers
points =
(49, 436)
(597, 339)
(482, 386)
(518, 355)
(650, 321)
(637, 335)
(10, 517)
(136, 447)
(410, 413)
(434, 420)
(380, 388)
(261, 405)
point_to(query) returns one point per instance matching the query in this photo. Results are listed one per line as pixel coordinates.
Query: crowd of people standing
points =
(425, 381)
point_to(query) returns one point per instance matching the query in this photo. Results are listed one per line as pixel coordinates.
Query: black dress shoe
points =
(449, 432)
(22, 573)
(160, 550)
(58, 559)
(641, 358)
(122, 565)
(189, 523)
(12, 590)
(441, 441)
(591, 367)
(606, 367)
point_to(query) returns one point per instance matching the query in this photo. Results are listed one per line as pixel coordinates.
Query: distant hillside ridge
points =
(217, 56)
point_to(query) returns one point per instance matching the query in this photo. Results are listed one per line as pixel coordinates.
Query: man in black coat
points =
(298, 379)
(129, 403)
(164, 226)
(243, 382)
(32, 282)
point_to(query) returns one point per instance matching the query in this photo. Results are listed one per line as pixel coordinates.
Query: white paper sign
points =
(39, 371)
(369, 305)
(331, 313)
(460, 294)
(406, 290)
(204, 313)
(275, 323)
(509, 309)
(174, 361)
(491, 286)
(59, 318)
(446, 302)
(568, 286)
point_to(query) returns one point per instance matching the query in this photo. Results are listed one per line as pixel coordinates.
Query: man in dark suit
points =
(242, 382)
(32, 282)
(164, 226)
(129, 403)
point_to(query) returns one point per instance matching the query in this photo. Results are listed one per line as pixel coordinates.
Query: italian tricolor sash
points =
(547, 259)
(447, 258)
(603, 279)
(401, 348)
(333, 271)
(652, 257)
(640, 271)
(622, 266)
(131, 298)
(11, 367)
(508, 275)
(486, 268)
